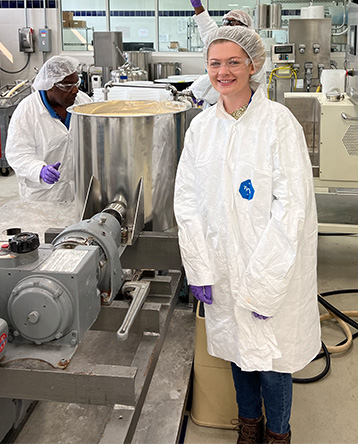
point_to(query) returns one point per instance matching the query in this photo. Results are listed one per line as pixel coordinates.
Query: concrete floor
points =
(9, 189)
(324, 412)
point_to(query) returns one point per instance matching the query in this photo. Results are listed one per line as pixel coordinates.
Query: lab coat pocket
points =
(257, 342)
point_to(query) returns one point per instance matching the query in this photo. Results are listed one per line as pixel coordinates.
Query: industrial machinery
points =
(83, 317)
(298, 65)
(268, 17)
(10, 96)
(283, 75)
(331, 137)
(312, 39)
(108, 51)
(138, 139)
(330, 123)
(53, 295)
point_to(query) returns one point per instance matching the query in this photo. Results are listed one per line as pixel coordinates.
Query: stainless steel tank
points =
(275, 16)
(120, 142)
(142, 59)
(263, 12)
(164, 69)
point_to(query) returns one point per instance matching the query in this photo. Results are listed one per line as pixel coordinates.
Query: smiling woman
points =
(229, 70)
(230, 65)
(246, 213)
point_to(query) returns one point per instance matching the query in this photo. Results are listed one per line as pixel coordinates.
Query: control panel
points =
(283, 53)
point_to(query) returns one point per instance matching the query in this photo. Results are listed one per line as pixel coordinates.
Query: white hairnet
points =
(240, 16)
(54, 70)
(247, 38)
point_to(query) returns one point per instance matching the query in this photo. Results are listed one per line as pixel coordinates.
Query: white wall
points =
(10, 21)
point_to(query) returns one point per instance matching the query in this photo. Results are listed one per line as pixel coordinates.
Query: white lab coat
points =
(201, 87)
(258, 254)
(36, 139)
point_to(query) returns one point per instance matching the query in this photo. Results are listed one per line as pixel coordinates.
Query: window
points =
(165, 25)
(79, 19)
(136, 20)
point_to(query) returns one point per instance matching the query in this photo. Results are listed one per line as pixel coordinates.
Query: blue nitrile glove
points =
(202, 293)
(258, 316)
(196, 3)
(49, 173)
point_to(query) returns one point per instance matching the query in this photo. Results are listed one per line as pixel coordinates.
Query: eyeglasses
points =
(231, 64)
(233, 22)
(68, 86)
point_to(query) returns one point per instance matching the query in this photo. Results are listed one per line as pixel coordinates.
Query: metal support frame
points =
(105, 371)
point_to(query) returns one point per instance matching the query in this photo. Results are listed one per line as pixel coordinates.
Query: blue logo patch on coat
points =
(247, 190)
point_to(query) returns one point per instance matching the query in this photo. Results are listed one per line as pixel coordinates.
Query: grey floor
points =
(325, 412)
(8, 188)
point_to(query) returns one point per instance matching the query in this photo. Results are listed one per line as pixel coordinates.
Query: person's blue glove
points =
(258, 316)
(49, 173)
(196, 3)
(202, 293)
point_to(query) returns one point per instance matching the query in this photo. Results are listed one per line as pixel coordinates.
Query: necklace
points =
(239, 112)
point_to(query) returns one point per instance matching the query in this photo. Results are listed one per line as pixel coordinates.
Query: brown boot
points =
(277, 438)
(251, 431)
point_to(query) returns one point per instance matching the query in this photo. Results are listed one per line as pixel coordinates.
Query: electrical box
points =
(45, 44)
(26, 40)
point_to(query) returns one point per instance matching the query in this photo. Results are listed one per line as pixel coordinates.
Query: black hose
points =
(325, 352)
(338, 313)
(333, 292)
(320, 375)
(16, 72)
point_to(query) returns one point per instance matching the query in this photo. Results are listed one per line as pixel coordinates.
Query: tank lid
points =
(129, 108)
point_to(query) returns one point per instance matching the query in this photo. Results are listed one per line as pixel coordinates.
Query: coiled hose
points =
(19, 70)
(343, 318)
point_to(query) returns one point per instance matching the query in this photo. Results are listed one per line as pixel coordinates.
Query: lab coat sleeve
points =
(206, 25)
(293, 223)
(21, 147)
(194, 252)
(82, 98)
(203, 90)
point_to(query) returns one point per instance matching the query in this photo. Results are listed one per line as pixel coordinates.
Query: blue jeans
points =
(274, 388)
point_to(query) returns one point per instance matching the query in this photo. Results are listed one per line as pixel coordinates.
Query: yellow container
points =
(214, 396)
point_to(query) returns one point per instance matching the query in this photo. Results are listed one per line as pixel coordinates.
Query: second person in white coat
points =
(39, 145)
